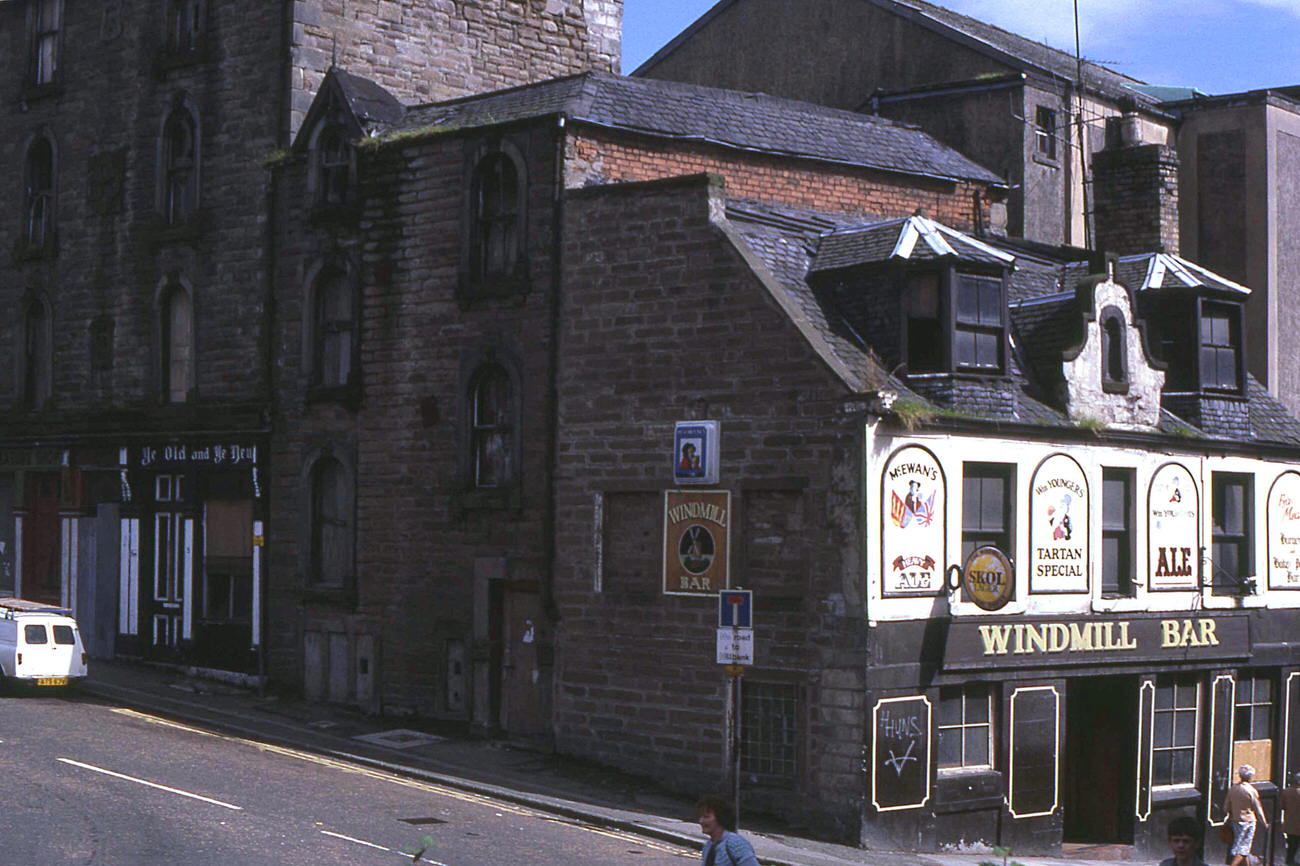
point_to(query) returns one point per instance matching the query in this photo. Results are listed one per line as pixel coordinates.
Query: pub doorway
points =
(1100, 759)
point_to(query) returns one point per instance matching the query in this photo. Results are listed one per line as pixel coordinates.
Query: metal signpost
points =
(736, 651)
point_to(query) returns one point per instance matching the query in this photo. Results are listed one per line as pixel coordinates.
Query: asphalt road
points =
(89, 783)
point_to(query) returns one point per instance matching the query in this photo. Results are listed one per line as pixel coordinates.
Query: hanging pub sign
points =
(987, 578)
(695, 452)
(1173, 527)
(1058, 527)
(1284, 532)
(696, 541)
(914, 510)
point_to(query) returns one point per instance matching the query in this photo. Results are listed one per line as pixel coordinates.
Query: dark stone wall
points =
(1221, 203)
(1135, 202)
(641, 347)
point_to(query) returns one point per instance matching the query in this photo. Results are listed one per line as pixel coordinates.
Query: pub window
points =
(180, 166)
(333, 330)
(924, 328)
(1220, 344)
(177, 344)
(1176, 724)
(986, 507)
(228, 560)
(1117, 532)
(497, 218)
(1045, 132)
(47, 20)
(35, 357)
(1114, 354)
(332, 525)
(491, 427)
(1252, 724)
(184, 24)
(769, 733)
(1234, 528)
(38, 201)
(979, 335)
(965, 727)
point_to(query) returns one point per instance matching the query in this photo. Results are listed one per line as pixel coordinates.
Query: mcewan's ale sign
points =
(1095, 640)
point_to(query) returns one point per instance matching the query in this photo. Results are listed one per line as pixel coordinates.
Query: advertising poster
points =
(1058, 527)
(914, 509)
(1173, 529)
(1284, 532)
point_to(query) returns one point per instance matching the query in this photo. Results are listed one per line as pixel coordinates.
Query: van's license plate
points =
(51, 681)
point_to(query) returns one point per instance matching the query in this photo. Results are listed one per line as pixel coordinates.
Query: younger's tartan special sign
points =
(1058, 527)
(696, 541)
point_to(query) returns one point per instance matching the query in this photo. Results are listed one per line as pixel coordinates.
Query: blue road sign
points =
(736, 608)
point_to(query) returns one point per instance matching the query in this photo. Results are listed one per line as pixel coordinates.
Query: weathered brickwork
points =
(608, 157)
(646, 266)
(1136, 194)
(425, 51)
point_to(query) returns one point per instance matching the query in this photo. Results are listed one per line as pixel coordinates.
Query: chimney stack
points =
(1134, 192)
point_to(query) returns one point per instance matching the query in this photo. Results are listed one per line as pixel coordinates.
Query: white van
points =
(39, 644)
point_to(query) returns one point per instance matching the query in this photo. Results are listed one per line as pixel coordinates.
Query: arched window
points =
(184, 23)
(332, 524)
(47, 20)
(334, 330)
(35, 353)
(497, 218)
(38, 205)
(491, 427)
(179, 166)
(1114, 349)
(177, 344)
(334, 165)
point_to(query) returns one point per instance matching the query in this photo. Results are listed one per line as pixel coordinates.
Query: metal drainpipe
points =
(552, 384)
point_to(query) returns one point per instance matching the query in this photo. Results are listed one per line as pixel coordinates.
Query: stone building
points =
(138, 264)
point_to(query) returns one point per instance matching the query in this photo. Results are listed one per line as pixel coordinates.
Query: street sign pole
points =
(735, 748)
(735, 650)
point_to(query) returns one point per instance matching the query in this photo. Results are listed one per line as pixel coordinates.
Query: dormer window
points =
(1220, 342)
(1114, 350)
(333, 158)
(955, 322)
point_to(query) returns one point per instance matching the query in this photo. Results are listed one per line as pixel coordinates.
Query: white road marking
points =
(147, 783)
(358, 841)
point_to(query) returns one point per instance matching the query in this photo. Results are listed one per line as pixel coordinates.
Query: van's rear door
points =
(49, 648)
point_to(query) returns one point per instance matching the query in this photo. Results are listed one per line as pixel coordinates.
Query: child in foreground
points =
(1185, 839)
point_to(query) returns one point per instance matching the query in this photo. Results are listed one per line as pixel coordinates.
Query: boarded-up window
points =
(1253, 725)
(335, 328)
(228, 560)
(632, 538)
(178, 345)
(332, 524)
(776, 548)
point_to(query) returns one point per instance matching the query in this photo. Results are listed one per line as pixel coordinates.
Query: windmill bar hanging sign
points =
(697, 527)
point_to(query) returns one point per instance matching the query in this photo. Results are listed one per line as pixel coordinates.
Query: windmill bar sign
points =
(697, 527)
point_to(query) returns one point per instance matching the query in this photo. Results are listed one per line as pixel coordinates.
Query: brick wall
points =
(1135, 192)
(603, 157)
(425, 51)
(663, 321)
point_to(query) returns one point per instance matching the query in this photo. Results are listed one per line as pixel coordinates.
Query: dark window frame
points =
(501, 427)
(338, 516)
(950, 318)
(976, 528)
(179, 159)
(184, 23)
(333, 166)
(35, 357)
(1256, 705)
(1045, 136)
(333, 281)
(966, 695)
(1120, 585)
(1238, 538)
(1225, 344)
(1172, 742)
(495, 239)
(45, 46)
(771, 724)
(39, 183)
(168, 344)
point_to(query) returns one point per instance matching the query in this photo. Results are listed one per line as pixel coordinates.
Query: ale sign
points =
(914, 513)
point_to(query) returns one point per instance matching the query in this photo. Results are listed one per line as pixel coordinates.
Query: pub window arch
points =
(35, 352)
(497, 217)
(1114, 347)
(332, 523)
(179, 149)
(38, 192)
(176, 341)
(331, 327)
(493, 426)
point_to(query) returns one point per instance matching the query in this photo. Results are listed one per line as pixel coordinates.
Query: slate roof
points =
(370, 102)
(1010, 48)
(914, 238)
(689, 112)
(1164, 271)
(1046, 320)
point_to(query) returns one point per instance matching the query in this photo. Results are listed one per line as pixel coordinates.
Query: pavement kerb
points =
(224, 722)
